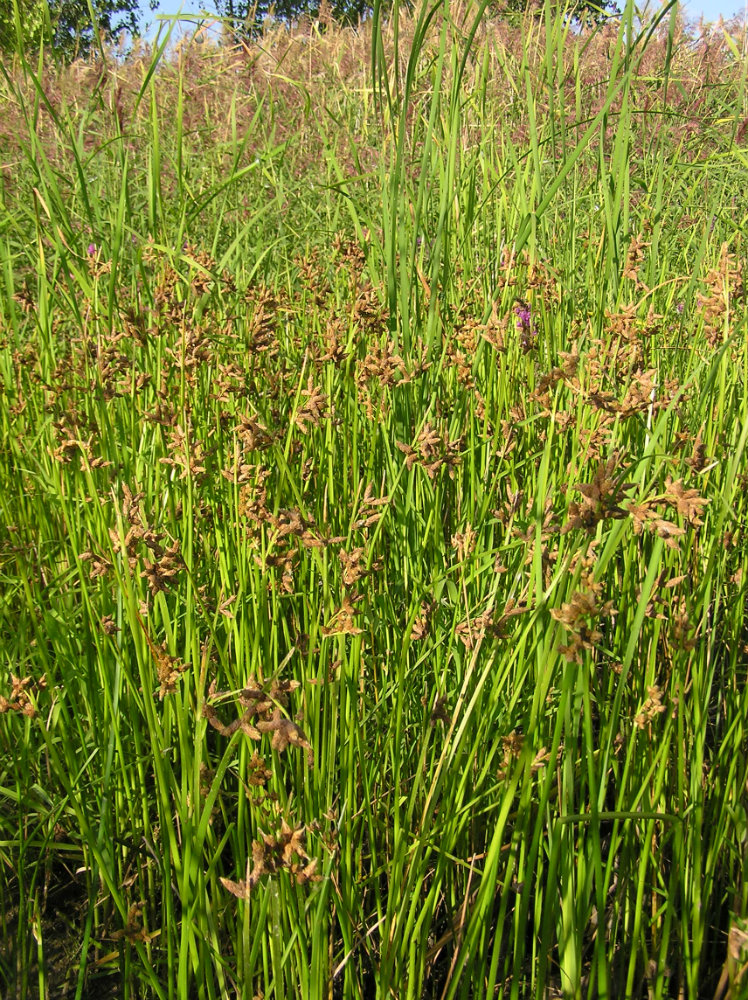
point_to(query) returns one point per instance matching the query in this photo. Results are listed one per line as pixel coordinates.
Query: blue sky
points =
(710, 9)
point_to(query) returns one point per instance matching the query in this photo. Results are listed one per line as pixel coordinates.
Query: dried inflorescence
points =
(464, 542)
(21, 691)
(262, 714)
(634, 261)
(161, 572)
(683, 632)
(168, 292)
(422, 621)
(565, 373)
(254, 435)
(99, 564)
(253, 495)
(370, 510)
(162, 565)
(601, 498)
(380, 369)
(313, 277)
(433, 451)
(368, 314)
(686, 503)
(512, 746)
(191, 352)
(491, 622)
(698, 459)
(580, 617)
(643, 395)
(272, 854)
(169, 668)
(350, 255)
(71, 444)
(343, 620)
(651, 708)
(461, 347)
(313, 407)
(268, 307)
(725, 289)
(335, 343)
(355, 565)
(134, 929)
(109, 625)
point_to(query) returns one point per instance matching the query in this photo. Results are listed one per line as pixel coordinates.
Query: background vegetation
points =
(71, 28)
(372, 515)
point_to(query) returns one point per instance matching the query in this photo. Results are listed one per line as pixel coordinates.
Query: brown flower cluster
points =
(725, 289)
(601, 498)
(71, 444)
(169, 668)
(651, 708)
(634, 261)
(356, 564)
(313, 407)
(579, 618)
(262, 714)
(422, 621)
(433, 450)
(165, 563)
(274, 853)
(472, 632)
(512, 746)
(687, 503)
(21, 691)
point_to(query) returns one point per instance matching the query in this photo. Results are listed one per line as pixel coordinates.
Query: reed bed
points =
(372, 513)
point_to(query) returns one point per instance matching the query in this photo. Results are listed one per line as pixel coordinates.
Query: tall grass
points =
(372, 491)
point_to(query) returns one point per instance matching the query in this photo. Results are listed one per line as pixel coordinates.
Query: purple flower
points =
(679, 308)
(528, 332)
(91, 249)
(524, 317)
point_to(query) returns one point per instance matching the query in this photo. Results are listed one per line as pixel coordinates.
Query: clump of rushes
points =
(372, 514)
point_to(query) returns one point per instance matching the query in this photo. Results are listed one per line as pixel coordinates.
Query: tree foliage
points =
(67, 25)
(588, 11)
(245, 16)
(31, 18)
